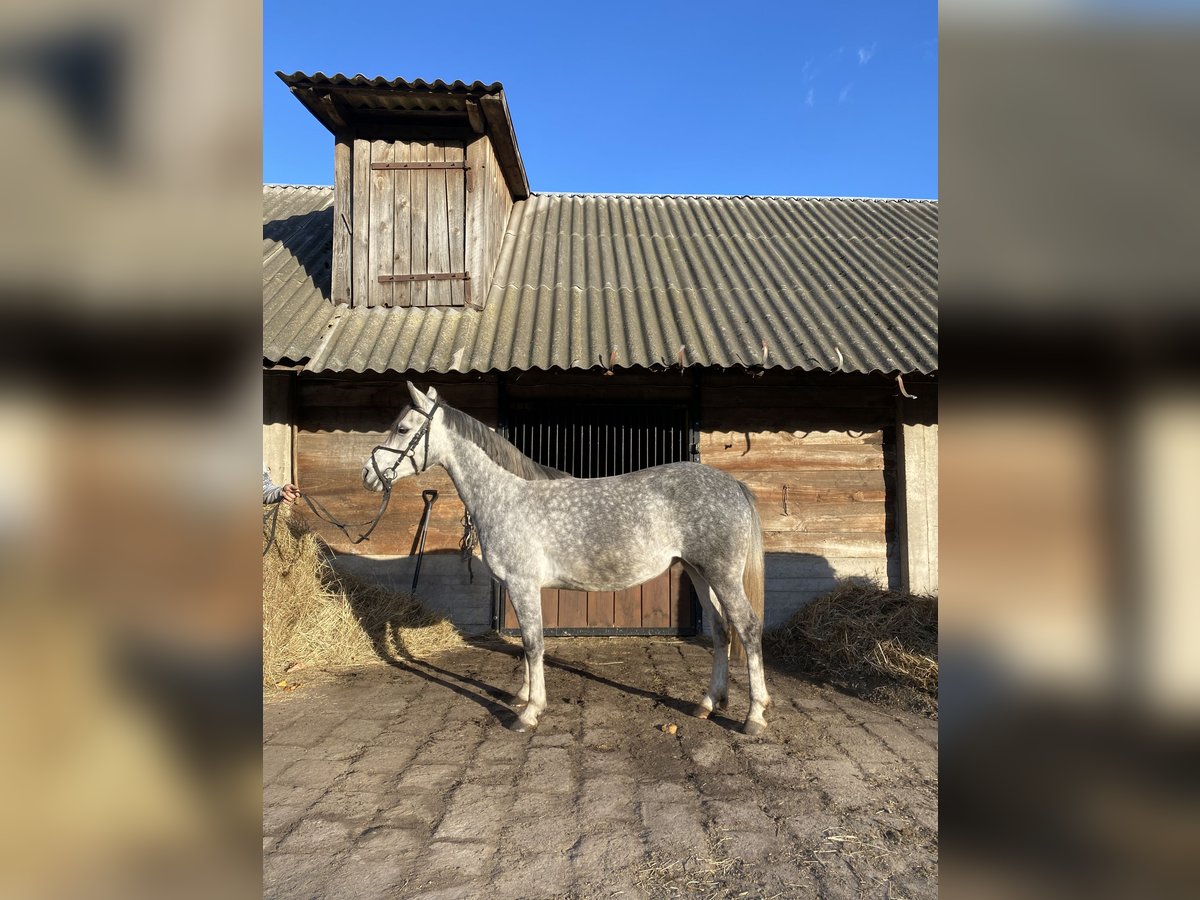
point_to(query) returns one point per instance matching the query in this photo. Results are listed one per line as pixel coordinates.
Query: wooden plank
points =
(510, 614)
(572, 609)
(790, 417)
(550, 604)
(766, 396)
(418, 255)
(855, 545)
(383, 201)
(805, 488)
(772, 456)
(711, 438)
(501, 204)
(600, 609)
(828, 518)
(333, 419)
(342, 219)
(391, 393)
(476, 237)
(456, 214)
(656, 602)
(401, 225)
(627, 608)
(437, 220)
(360, 239)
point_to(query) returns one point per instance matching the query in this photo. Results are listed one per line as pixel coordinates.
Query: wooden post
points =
(277, 425)
(917, 490)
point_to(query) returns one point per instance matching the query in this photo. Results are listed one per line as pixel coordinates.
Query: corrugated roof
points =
(827, 284)
(395, 84)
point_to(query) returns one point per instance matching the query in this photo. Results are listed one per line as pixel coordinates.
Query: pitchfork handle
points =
(429, 497)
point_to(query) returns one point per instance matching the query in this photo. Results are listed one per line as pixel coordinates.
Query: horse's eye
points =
(400, 429)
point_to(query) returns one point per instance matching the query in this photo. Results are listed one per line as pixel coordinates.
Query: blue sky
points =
(837, 98)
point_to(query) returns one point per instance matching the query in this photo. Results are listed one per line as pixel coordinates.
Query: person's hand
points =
(291, 493)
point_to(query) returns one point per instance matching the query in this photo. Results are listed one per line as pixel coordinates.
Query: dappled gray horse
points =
(539, 527)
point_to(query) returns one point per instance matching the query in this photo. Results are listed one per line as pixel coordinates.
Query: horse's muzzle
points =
(370, 480)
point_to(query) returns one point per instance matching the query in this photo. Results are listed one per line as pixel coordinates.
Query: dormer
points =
(424, 178)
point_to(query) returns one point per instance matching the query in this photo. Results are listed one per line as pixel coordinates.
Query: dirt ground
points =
(404, 781)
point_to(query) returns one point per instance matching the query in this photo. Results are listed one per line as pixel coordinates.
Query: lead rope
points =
(272, 516)
(470, 538)
(325, 515)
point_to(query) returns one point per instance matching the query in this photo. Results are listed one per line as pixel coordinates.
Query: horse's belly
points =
(609, 571)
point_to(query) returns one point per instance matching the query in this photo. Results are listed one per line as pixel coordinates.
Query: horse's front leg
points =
(527, 602)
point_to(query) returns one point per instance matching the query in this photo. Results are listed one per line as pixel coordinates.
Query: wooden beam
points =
(474, 116)
(504, 143)
(332, 110)
(419, 165)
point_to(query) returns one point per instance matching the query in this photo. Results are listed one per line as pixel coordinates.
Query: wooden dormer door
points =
(410, 236)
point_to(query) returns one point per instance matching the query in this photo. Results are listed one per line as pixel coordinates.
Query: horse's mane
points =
(497, 448)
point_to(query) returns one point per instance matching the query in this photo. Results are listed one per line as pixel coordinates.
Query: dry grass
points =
(315, 617)
(866, 638)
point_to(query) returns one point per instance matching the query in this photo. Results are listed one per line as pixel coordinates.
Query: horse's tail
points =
(753, 576)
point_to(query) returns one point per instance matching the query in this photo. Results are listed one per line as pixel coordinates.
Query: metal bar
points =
(421, 165)
(426, 276)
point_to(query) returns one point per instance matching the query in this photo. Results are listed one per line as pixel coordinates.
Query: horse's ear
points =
(432, 393)
(418, 398)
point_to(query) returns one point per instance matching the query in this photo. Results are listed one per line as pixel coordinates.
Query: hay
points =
(315, 617)
(866, 638)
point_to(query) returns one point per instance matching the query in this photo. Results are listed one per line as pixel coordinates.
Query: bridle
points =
(388, 475)
(385, 476)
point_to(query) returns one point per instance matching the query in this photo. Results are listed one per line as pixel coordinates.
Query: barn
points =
(790, 341)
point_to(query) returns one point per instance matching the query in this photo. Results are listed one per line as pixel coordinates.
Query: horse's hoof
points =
(723, 703)
(521, 726)
(754, 728)
(700, 711)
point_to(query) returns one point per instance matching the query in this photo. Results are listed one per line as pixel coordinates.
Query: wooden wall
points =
(827, 441)
(415, 221)
(830, 440)
(487, 215)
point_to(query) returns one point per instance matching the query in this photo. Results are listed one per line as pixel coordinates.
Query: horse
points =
(539, 527)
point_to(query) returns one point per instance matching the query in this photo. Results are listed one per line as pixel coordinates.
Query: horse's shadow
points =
(501, 703)
(491, 697)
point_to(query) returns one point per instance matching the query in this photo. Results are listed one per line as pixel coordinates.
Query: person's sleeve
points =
(272, 493)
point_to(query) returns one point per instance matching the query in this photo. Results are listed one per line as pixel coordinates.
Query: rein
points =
(385, 476)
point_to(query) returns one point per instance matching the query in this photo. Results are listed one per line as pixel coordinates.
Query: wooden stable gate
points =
(592, 441)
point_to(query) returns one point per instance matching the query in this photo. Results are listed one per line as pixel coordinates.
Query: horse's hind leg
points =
(718, 685)
(523, 694)
(527, 603)
(741, 616)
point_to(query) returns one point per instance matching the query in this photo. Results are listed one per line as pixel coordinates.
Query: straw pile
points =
(868, 639)
(315, 617)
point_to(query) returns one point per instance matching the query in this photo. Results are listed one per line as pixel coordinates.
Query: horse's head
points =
(406, 449)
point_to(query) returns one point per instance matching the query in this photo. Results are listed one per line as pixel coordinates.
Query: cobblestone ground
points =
(405, 782)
